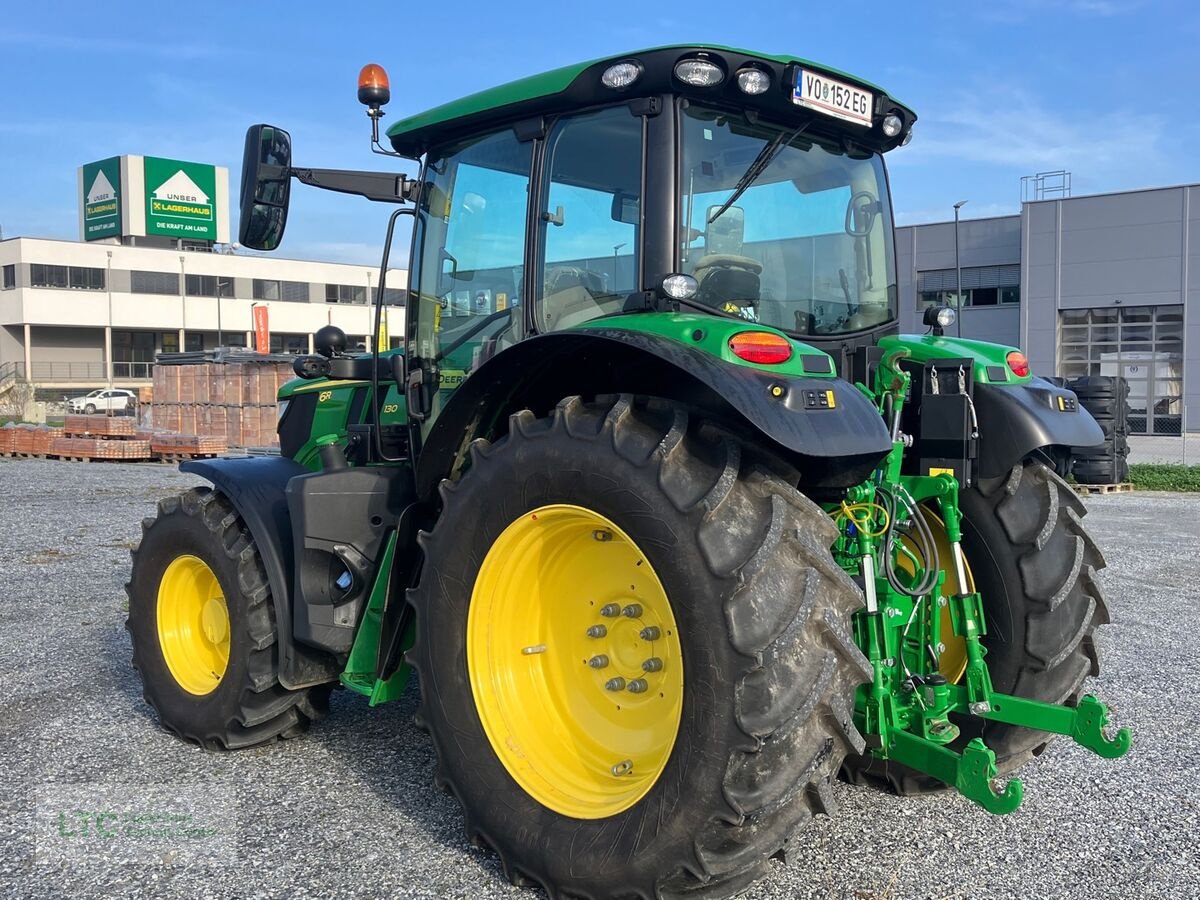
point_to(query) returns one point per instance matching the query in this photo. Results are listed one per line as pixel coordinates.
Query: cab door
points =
(589, 217)
(468, 262)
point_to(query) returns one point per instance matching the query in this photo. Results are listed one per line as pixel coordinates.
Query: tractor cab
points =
(758, 180)
(704, 180)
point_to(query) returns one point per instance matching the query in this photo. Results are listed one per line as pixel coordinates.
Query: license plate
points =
(832, 97)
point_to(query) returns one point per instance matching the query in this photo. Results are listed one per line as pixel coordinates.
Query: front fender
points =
(832, 444)
(1017, 419)
(256, 486)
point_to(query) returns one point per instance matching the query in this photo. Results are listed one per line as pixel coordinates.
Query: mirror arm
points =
(385, 187)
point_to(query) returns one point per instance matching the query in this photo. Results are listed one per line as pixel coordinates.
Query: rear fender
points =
(257, 488)
(832, 445)
(1017, 419)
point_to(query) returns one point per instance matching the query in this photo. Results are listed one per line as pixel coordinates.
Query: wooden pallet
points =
(1123, 488)
(175, 458)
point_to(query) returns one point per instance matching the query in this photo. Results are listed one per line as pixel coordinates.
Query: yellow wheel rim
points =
(575, 661)
(193, 625)
(952, 661)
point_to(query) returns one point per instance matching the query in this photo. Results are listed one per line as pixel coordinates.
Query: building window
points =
(87, 278)
(345, 293)
(153, 282)
(10, 277)
(1142, 344)
(170, 341)
(41, 275)
(973, 297)
(266, 289)
(206, 285)
(295, 291)
(981, 286)
(193, 343)
(391, 296)
(294, 344)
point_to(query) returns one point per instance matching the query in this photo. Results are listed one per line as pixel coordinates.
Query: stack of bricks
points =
(8, 439)
(99, 426)
(100, 448)
(233, 401)
(177, 445)
(32, 440)
(100, 437)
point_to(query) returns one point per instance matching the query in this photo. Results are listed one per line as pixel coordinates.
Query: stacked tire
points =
(1107, 399)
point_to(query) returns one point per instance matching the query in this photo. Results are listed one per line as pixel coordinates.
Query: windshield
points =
(783, 228)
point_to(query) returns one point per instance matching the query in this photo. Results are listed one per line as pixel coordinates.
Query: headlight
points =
(699, 72)
(939, 316)
(904, 142)
(892, 124)
(753, 81)
(621, 75)
(680, 287)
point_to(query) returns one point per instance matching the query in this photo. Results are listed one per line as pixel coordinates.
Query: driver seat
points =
(726, 277)
(570, 298)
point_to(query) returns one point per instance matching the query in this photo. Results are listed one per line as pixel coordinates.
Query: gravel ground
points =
(349, 810)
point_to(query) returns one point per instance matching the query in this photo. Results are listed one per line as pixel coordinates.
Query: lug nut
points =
(601, 535)
(615, 684)
(597, 631)
(650, 633)
(599, 661)
(637, 686)
(633, 610)
(610, 610)
(653, 664)
(622, 768)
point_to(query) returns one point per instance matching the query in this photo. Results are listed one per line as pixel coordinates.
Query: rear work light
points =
(1018, 363)
(761, 347)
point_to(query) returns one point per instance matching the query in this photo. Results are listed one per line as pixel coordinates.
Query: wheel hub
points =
(575, 661)
(193, 625)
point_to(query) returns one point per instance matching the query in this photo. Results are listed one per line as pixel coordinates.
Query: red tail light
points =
(1018, 363)
(761, 347)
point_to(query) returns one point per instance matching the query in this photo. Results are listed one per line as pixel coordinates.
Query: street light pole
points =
(220, 337)
(958, 270)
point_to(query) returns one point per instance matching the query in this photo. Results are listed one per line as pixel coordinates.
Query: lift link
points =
(905, 711)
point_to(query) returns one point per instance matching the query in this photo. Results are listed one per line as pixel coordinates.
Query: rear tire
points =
(1034, 565)
(248, 705)
(762, 610)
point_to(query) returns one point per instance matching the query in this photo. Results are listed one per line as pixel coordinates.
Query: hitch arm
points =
(1084, 724)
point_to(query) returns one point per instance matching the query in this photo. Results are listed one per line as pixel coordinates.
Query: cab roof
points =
(578, 86)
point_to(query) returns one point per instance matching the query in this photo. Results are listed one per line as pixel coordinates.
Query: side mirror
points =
(727, 233)
(624, 208)
(266, 187)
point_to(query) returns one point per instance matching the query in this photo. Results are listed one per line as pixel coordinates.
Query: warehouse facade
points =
(1107, 284)
(77, 314)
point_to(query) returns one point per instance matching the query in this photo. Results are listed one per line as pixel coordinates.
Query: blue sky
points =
(1104, 88)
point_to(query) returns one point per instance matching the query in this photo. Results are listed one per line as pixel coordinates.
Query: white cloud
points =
(1013, 128)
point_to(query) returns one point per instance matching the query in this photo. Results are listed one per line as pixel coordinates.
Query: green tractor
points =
(670, 521)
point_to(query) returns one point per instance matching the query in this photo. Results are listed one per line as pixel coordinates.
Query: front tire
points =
(203, 629)
(769, 667)
(90, 409)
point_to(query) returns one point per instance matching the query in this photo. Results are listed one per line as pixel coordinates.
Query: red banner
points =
(262, 331)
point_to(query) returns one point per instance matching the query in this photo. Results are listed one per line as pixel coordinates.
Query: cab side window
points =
(470, 265)
(591, 208)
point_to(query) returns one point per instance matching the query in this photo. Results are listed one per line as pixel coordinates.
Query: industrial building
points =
(1106, 284)
(155, 272)
(76, 315)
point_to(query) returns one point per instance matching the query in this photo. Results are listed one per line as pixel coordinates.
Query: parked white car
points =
(103, 400)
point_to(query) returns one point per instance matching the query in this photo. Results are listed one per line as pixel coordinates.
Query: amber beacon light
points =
(373, 88)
